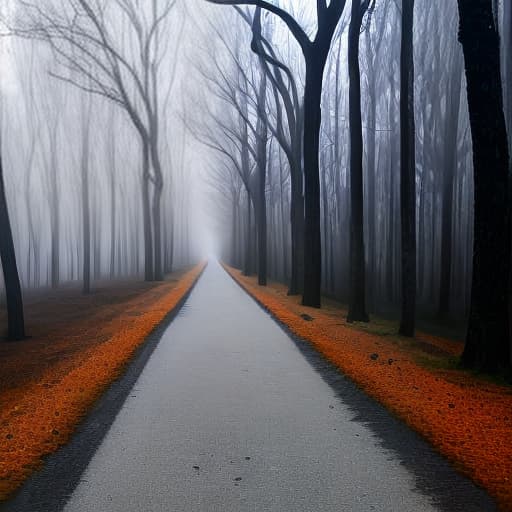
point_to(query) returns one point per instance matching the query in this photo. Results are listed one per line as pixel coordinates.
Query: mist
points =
(139, 139)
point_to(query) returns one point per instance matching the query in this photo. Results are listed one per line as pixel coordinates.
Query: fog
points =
(139, 137)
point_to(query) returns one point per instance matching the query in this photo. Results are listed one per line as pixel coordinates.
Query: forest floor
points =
(78, 345)
(466, 417)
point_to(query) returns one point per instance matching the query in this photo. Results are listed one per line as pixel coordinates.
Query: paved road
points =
(230, 414)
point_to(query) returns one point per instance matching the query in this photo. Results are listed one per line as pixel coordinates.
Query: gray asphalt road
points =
(230, 414)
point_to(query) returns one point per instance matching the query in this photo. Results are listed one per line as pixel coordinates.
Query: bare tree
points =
(315, 54)
(89, 40)
(284, 86)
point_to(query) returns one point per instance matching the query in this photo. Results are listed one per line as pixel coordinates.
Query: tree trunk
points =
(507, 74)
(149, 273)
(297, 232)
(15, 317)
(86, 216)
(158, 269)
(407, 172)
(312, 238)
(112, 175)
(325, 225)
(233, 260)
(157, 231)
(449, 171)
(247, 271)
(391, 241)
(282, 223)
(487, 345)
(54, 213)
(261, 210)
(357, 301)
(371, 277)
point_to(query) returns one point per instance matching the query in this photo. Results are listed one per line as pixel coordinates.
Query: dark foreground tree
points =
(488, 337)
(315, 54)
(16, 322)
(407, 172)
(261, 164)
(357, 301)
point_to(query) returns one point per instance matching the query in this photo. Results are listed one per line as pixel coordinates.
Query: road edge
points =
(49, 488)
(392, 431)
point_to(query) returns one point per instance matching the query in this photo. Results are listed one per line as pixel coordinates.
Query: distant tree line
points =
(93, 154)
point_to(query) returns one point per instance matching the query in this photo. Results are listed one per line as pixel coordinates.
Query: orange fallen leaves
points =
(39, 414)
(467, 420)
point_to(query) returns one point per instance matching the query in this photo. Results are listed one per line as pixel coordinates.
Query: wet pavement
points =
(231, 414)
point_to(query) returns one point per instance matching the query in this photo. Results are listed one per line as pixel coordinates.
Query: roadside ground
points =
(467, 418)
(78, 346)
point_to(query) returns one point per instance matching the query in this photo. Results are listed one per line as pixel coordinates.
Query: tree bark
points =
(261, 209)
(507, 39)
(86, 216)
(449, 171)
(487, 345)
(312, 239)
(15, 317)
(407, 173)
(157, 231)
(357, 300)
(247, 270)
(297, 232)
(149, 273)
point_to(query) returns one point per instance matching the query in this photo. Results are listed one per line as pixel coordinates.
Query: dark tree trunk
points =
(284, 240)
(247, 270)
(261, 209)
(312, 239)
(357, 301)
(407, 172)
(297, 233)
(15, 317)
(487, 341)
(233, 257)
(261, 226)
(507, 38)
(371, 276)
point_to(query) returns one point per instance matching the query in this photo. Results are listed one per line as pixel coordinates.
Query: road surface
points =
(231, 414)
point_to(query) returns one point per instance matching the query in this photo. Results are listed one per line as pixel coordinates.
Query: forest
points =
(255, 255)
(357, 165)
(367, 164)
